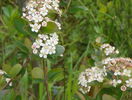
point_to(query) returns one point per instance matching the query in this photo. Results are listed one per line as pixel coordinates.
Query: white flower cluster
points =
(121, 67)
(7, 79)
(111, 61)
(37, 11)
(90, 75)
(108, 49)
(107, 60)
(45, 45)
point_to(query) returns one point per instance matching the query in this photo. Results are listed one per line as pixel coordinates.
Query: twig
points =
(8, 83)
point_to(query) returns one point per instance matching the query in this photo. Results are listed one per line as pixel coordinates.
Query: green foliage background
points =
(83, 21)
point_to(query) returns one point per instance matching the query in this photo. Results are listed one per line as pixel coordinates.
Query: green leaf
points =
(9, 49)
(37, 73)
(51, 27)
(6, 68)
(28, 43)
(59, 50)
(24, 86)
(15, 70)
(10, 13)
(7, 11)
(22, 47)
(19, 25)
(98, 29)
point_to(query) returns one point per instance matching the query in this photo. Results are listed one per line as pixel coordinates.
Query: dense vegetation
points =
(84, 23)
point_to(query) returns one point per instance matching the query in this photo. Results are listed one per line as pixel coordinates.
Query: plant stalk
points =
(45, 68)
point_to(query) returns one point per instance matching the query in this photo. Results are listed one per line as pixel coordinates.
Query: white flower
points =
(43, 53)
(43, 11)
(116, 82)
(126, 72)
(44, 23)
(54, 35)
(2, 72)
(8, 80)
(37, 18)
(104, 46)
(129, 83)
(30, 5)
(82, 80)
(48, 1)
(108, 49)
(30, 18)
(42, 36)
(48, 6)
(23, 14)
(37, 44)
(45, 45)
(55, 4)
(119, 81)
(61, 55)
(123, 88)
(90, 75)
(47, 19)
(45, 48)
(51, 42)
(37, 12)
(52, 50)
(117, 73)
(107, 60)
(35, 27)
(35, 51)
(32, 12)
(117, 51)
